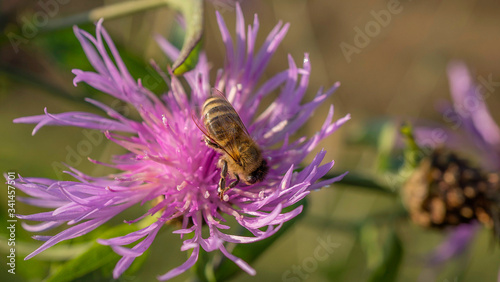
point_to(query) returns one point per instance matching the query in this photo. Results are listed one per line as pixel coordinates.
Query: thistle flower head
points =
(445, 189)
(169, 167)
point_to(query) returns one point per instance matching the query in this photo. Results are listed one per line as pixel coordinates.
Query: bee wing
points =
(205, 132)
(218, 93)
(233, 123)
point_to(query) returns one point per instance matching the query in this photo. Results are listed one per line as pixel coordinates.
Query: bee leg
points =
(222, 184)
(235, 182)
(211, 144)
(222, 181)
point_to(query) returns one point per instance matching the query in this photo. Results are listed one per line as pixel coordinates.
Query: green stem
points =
(335, 224)
(379, 218)
(362, 181)
(413, 153)
(108, 12)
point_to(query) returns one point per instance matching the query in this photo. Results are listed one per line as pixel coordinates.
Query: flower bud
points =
(445, 190)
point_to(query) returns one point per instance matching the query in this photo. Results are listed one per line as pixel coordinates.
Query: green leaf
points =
(369, 237)
(182, 65)
(192, 10)
(97, 257)
(387, 262)
(250, 252)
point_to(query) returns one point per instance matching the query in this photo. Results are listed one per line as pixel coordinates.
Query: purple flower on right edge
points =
(446, 191)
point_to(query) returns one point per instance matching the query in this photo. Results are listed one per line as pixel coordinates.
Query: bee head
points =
(258, 174)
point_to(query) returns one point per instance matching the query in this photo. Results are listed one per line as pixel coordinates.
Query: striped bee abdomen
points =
(221, 120)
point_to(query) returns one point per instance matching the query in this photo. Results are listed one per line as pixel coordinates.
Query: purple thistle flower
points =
(169, 166)
(469, 113)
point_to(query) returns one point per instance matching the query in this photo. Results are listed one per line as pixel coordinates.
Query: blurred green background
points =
(399, 74)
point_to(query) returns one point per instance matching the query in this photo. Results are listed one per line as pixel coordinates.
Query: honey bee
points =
(224, 131)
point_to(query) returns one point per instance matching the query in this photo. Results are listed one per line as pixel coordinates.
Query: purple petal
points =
(241, 263)
(70, 233)
(240, 38)
(457, 242)
(41, 227)
(226, 38)
(470, 104)
(78, 119)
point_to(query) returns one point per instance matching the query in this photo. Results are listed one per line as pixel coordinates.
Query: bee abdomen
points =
(214, 107)
(216, 113)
